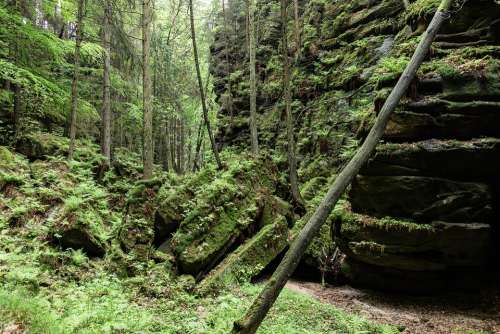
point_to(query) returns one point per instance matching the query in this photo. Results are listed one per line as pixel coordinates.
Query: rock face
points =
(428, 201)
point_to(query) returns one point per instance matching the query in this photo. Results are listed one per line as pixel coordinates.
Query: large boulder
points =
(223, 214)
(249, 259)
(39, 145)
(422, 198)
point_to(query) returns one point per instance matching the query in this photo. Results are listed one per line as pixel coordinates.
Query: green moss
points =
(249, 259)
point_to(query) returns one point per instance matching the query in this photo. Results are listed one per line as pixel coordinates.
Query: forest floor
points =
(446, 314)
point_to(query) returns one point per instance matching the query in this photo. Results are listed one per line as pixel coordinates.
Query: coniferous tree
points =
(292, 159)
(106, 96)
(76, 73)
(253, 80)
(200, 86)
(147, 16)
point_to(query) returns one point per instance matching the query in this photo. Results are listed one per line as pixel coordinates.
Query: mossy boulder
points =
(223, 213)
(136, 231)
(39, 145)
(249, 259)
(14, 169)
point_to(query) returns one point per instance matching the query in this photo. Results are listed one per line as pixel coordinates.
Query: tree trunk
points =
(74, 85)
(253, 80)
(200, 85)
(292, 159)
(228, 70)
(106, 96)
(173, 123)
(298, 42)
(199, 139)
(182, 145)
(167, 156)
(147, 16)
(261, 305)
(16, 116)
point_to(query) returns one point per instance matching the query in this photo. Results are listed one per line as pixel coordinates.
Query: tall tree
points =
(261, 305)
(76, 73)
(253, 81)
(298, 41)
(228, 68)
(106, 96)
(292, 159)
(200, 85)
(147, 17)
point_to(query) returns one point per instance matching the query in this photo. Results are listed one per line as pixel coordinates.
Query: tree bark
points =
(106, 96)
(228, 70)
(298, 42)
(292, 159)
(147, 13)
(166, 159)
(16, 116)
(199, 139)
(200, 85)
(251, 321)
(253, 81)
(76, 73)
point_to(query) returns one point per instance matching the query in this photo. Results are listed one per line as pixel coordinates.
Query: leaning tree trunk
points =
(147, 13)
(251, 321)
(200, 85)
(200, 133)
(106, 96)
(292, 159)
(253, 81)
(74, 85)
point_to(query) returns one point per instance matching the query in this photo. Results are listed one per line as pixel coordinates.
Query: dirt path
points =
(417, 315)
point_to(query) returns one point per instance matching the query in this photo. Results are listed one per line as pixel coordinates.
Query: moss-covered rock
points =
(249, 259)
(223, 213)
(39, 145)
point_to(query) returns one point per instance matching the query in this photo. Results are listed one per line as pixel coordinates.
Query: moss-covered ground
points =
(47, 286)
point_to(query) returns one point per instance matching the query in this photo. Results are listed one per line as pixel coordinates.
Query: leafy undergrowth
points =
(48, 287)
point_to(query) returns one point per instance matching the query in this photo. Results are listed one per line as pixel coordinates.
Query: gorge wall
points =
(423, 213)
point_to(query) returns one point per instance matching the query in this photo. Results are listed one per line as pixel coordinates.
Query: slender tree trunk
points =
(106, 96)
(16, 119)
(173, 144)
(147, 16)
(292, 159)
(182, 146)
(199, 139)
(200, 85)
(76, 73)
(187, 167)
(228, 69)
(167, 156)
(258, 310)
(298, 41)
(253, 80)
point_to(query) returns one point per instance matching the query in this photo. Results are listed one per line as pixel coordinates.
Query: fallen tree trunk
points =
(251, 321)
